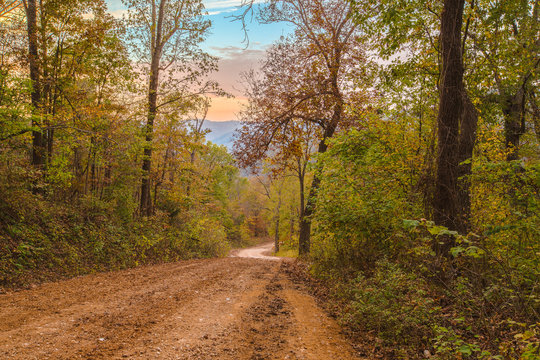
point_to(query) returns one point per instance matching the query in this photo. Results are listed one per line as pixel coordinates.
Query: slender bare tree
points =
(165, 35)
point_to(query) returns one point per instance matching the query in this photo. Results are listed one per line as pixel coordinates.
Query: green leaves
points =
(440, 231)
(410, 224)
(472, 251)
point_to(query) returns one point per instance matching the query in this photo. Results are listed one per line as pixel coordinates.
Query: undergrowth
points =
(43, 240)
(479, 299)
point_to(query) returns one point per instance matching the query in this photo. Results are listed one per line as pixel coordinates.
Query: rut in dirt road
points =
(232, 308)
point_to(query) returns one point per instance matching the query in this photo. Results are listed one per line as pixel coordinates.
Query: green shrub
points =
(393, 303)
(361, 201)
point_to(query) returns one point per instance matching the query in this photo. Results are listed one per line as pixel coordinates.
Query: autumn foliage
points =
(392, 145)
(423, 193)
(77, 125)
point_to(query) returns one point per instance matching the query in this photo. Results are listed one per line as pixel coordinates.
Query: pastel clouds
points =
(233, 61)
(224, 109)
(226, 40)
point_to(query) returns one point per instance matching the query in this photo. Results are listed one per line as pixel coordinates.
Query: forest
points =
(392, 146)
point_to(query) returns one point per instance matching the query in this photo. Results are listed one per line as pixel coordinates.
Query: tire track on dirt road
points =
(231, 308)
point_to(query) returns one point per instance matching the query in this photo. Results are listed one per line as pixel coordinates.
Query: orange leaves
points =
(302, 95)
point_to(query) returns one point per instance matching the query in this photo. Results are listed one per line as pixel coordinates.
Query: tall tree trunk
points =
(304, 238)
(146, 201)
(457, 123)
(38, 148)
(192, 162)
(156, 51)
(514, 122)
(302, 184)
(276, 218)
(161, 179)
(445, 206)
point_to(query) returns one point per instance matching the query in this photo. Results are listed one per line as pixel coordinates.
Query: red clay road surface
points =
(231, 308)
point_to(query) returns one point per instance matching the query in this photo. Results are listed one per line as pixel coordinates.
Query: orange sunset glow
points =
(224, 109)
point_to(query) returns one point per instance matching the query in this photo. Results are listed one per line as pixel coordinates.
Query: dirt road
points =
(231, 308)
(257, 252)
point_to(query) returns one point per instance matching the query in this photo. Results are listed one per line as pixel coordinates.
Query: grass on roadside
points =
(284, 252)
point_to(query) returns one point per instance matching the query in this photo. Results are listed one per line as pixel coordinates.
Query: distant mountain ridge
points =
(221, 131)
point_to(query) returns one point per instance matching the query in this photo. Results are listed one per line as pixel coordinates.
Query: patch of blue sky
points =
(226, 34)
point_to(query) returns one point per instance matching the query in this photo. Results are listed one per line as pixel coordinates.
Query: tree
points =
(304, 79)
(416, 39)
(73, 48)
(505, 48)
(14, 90)
(165, 35)
(456, 124)
(38, 150)
(290, 148)
(195, 125)
(499, 50)
(268, 182)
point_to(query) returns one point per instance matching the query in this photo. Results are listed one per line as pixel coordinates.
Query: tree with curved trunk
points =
(304, 79)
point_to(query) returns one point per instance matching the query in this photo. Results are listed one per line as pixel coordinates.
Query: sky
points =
(226, 41)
